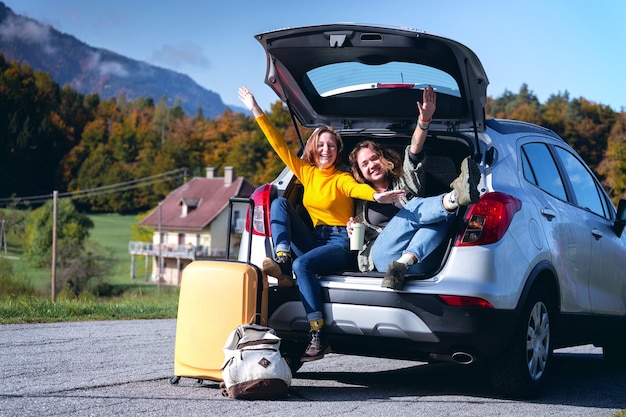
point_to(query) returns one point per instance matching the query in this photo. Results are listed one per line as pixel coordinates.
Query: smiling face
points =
(371, 167)
(326, 151)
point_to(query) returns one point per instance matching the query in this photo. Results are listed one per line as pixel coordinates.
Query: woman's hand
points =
(247, 98)
(351, 221)
(389, 197)
(427, 106)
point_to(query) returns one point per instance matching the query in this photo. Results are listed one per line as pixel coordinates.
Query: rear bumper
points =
(395, 324)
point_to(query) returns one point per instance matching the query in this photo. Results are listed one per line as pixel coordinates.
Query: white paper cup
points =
(357, 236)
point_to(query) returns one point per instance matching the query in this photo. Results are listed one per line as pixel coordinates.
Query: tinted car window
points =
(540, 169)
(585, 188)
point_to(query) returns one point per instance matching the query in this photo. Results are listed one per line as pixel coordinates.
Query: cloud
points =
(113, 68)
(17, 28)
(95, 63)
(178, 56)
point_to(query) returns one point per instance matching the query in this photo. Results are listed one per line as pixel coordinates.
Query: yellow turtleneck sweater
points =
(328, 193)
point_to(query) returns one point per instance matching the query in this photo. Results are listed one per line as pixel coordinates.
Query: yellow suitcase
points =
(215, 297)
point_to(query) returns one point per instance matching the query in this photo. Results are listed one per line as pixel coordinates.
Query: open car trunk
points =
(362, 77)
(444, 153)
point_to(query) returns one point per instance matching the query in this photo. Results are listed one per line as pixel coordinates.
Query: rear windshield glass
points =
(345, 77)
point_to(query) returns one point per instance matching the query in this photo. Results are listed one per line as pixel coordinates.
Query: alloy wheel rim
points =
(537, 340)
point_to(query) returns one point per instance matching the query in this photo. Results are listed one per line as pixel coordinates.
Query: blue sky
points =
(552, 45)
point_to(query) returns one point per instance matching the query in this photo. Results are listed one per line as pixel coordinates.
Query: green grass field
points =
(113, 231)
(131, 298)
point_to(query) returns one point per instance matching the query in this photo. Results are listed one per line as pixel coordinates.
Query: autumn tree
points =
(554, 112)
(33, 135)
(587, 126)
(521, 106)
(54, 138)
(613, 167)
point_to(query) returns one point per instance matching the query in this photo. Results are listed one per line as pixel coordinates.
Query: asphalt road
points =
(122, 368)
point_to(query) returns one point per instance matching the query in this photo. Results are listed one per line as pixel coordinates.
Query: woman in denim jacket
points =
(399, 236)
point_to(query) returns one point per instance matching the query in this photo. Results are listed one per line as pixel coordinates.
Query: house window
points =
(238, 222)
(188, 205)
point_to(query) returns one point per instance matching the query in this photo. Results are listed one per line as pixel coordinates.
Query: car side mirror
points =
(620, 220)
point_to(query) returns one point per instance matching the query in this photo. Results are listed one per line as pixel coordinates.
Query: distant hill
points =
(94, 70)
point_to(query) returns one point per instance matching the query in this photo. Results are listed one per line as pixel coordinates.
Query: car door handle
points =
(548, 213)
(597, 233)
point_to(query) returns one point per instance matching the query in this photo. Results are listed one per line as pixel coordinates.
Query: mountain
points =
(94, 70)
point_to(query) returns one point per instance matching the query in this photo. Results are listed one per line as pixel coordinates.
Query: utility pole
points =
(3, 238)
(160, 277)
(54, 243)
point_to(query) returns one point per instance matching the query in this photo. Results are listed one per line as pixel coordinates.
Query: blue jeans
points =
(324, 251)
(418, 228)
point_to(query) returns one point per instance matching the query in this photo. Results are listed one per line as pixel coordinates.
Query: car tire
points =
(614, 352)
(521, 370)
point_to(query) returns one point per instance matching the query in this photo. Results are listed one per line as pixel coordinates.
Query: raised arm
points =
(249, 101)
(426, 110)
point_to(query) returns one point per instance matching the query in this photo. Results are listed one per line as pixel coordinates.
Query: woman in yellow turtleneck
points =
(328, 198)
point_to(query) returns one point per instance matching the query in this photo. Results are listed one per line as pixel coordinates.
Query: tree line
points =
(53, 138)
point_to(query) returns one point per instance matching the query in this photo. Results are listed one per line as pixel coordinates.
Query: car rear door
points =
(607, 260)
(562, 222)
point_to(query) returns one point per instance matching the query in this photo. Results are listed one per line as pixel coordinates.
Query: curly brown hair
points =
(310, 149)
(389, 159)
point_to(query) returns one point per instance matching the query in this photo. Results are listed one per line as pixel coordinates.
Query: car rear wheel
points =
(520, 371)
(614, 352)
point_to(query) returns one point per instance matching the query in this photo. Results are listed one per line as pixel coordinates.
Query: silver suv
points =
(537, 264)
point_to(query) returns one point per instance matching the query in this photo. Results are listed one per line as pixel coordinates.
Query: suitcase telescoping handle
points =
(258, 317)
(250, 203)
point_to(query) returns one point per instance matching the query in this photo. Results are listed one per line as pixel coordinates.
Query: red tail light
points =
(488, 220)
(262, 198)
(464, 301)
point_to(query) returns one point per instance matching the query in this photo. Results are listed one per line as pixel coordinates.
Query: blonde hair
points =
(390, 160)
(310, 149)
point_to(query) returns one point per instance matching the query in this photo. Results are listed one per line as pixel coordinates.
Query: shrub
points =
(73, 229)
(12, 283)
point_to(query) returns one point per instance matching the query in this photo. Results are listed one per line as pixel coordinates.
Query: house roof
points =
(205, 199)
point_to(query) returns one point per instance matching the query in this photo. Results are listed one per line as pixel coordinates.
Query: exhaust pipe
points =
(462, 358)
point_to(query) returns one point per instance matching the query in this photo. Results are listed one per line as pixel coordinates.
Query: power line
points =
(122, 184)
(102, 190)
